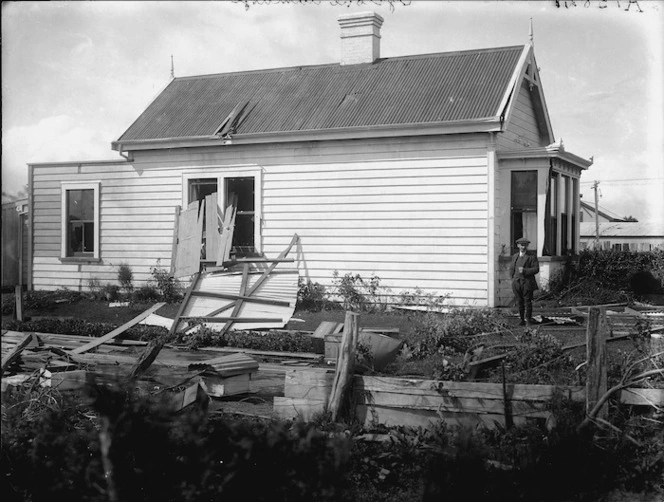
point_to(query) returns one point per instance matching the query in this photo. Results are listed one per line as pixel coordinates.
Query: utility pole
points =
(597, 243)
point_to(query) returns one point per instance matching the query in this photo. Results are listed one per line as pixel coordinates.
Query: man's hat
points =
(522, 240)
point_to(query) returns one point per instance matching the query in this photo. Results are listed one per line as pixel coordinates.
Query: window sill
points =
(80, 259)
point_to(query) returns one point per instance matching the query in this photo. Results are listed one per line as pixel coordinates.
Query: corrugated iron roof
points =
(426, 89)
(623, 229)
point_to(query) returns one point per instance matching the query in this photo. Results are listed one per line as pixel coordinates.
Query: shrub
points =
(451, 333)
(310, 296)
(125, 277)
(145, 294)
(539, 359)
(111, 292)
(168, 286)
(273, 341)
(420, 298)
(607, 276)
(359, 294)
(85, 328)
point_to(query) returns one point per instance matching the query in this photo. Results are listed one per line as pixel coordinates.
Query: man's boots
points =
(521, 315)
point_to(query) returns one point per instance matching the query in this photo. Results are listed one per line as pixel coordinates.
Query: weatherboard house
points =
(421, 170)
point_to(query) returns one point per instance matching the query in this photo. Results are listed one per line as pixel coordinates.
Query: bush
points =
(359, 294)
(81, 327)
(145, 294)
(166, 284)
(273, 341)
(311, 296)
(539, 359)
(607, 276)
(125, 277)
(451, 333)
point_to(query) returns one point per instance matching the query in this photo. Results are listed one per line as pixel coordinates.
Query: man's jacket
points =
(530, 270)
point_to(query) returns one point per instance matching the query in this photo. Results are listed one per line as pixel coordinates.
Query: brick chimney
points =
(360, 37)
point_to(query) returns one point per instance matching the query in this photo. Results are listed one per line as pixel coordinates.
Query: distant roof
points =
(603, 212)
(426, 89)
(623, 229)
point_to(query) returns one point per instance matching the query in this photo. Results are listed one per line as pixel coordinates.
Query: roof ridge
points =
(349, 67)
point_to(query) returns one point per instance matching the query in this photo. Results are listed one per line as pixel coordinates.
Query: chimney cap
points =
(360, 17)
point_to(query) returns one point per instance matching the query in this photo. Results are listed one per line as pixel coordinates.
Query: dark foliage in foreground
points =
(51, 451)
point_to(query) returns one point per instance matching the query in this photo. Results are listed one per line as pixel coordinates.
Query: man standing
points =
(523, 269)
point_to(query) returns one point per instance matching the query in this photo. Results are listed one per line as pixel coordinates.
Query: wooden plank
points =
(642, 397)
(174, 246)
(185, 301)
(272, 353)
(15, 352)
(212, 227)
(231, 320)
(596, 383)
(252, 299)
(227, 386)
(288, 408)
(18, 302)
(327, 328)
(117, 331)
(239, 302)
(483, 390)
(302, 384)
(228, 225)
(190, 236)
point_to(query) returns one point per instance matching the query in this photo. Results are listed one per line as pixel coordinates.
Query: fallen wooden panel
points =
(274, 298)
(642, 397)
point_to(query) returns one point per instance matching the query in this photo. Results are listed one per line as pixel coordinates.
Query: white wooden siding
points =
(412, 211)
(522, 130)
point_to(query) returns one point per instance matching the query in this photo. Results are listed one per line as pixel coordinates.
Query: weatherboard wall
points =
(522, 130)
(411, 211)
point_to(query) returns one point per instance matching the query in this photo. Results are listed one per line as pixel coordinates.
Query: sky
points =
(75, 75)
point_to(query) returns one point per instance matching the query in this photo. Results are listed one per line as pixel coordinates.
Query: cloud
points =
(55, 138)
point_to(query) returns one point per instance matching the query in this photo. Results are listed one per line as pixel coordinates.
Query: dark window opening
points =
(244, 233)
(80, 222)
(523, 206)
(201, 188)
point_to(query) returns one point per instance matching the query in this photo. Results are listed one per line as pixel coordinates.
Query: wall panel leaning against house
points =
(414, 187)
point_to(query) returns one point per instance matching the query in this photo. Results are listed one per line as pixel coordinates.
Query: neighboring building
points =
(15, 243)
(624, 235)
(422, 170)
(587, 214)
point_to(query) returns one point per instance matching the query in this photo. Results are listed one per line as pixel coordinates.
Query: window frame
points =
(66, 187)
(221, 173)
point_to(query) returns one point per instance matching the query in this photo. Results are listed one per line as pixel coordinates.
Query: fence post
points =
(343, 375)
(596, 353)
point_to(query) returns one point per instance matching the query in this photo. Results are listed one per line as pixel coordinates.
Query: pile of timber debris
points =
(68, 362)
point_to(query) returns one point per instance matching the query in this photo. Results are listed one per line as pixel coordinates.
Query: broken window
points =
(524, 206)
(243, 189)
(199, 188)
(80, 220)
